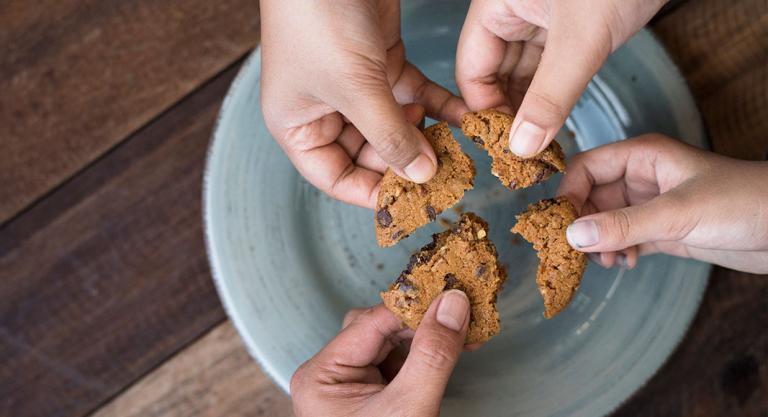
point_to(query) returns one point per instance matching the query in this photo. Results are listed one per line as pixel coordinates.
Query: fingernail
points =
(453, 309)
(420, 169)
(526, 139)
(582, 234)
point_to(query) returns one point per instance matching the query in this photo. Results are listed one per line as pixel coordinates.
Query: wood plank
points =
(107, 277)
(720, 368)
(213, 377)
(722, 49)
(78, 76)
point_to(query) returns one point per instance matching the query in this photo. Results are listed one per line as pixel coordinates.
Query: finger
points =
(522, 74)
(363, 340)
(313, 149)
(351, 141)
(368, 158)
(440, 104)
(351, 315)
(575, 37)
(369, 104)
(664, 218)
(434, 352)
(479, 56)
(602, 165)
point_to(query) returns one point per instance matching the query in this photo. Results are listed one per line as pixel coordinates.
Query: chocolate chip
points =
(478, 141)
(505, 150)
(383, 217)
(431, 245)
(512, 185)
(419, 258)
(388, 200)
(480, 271)
(412, 262)
(544, 173)
(431, 214)
(397, 235)
(403, 283)
(548, 201)
(450, 281)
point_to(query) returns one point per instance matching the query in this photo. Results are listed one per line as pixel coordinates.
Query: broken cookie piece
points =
(463, 258)
(489, 129)
(404, 206)
(561, 267)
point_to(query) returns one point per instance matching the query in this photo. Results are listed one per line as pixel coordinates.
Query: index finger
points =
(479, 56)
(314, 151)
(370, 336)
(602, 165)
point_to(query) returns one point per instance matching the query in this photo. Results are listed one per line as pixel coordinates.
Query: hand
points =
(346, 379)
(655, 194)
(334, 75)
(539, 55)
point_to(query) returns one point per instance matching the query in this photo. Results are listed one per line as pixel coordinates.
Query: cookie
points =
(489, 129)
(560, 266)
(403, 206)
(463, 258)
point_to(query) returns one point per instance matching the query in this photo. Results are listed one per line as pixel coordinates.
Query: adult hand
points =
(334, 76)
(345, 379)
(539, 55)
(655, 194)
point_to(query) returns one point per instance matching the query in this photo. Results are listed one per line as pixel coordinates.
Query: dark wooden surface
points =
(79, 76)
(106, 304)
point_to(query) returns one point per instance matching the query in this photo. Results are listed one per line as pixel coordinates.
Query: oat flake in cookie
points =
(462, 258)
(561, 267)
(404, 206)
(489, 129)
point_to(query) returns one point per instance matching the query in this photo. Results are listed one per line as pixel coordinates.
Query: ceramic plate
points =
(289, 261)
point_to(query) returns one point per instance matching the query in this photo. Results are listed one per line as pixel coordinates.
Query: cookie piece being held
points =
(489, 129)
(462, 258)
(560, 266)
(403, 206)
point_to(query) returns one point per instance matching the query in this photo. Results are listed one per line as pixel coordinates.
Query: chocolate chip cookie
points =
(561, 267)
(404, 206)
(463, 258)
(489, 129)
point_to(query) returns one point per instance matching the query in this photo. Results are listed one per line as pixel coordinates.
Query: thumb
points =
(576, 47)
(383, 123)
(663, 218)
(434, 352)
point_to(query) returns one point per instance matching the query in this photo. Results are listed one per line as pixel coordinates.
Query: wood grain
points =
(79, 76)
(720, 368)
(722, 49)
(213, 377)
(107, 277)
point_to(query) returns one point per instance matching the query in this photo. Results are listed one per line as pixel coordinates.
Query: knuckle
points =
(395, 147)
(435, 354)
(299, 378)
(620, 226)
(547, 106)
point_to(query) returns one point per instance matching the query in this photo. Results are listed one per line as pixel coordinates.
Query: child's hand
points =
(654, 194)
(333, 74)
(553, 46)
(346, 377)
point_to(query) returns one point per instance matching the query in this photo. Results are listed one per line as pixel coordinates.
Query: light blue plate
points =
(289, 262)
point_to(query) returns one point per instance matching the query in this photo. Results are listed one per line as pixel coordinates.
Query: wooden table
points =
(106, 302)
